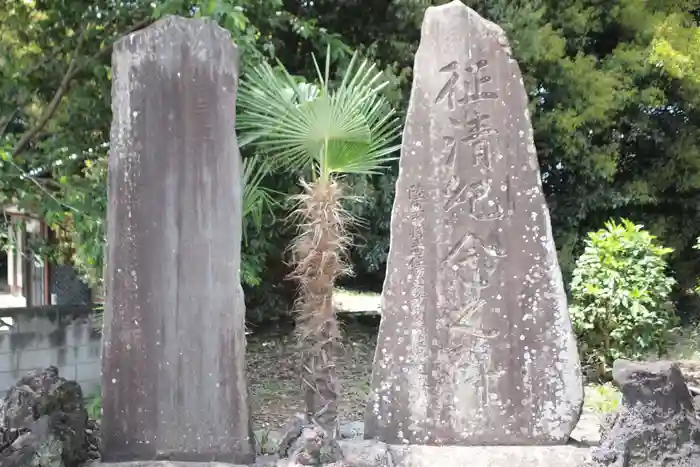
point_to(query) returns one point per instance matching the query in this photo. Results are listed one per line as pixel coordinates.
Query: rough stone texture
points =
(268, 461)
(492, 456)
(370, 453)
(314, 447)
(291, 431)
(657, 424)
(607, 423)
(351, 430)
(587, 431)
(43, 422)
(275, 442)
(367, 453)
(475, 344)
(307, 444)
(38, 444)
(93, 438)
(174, 386)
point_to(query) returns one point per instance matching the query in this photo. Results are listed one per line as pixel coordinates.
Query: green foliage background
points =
(621, 292)
(613, 85)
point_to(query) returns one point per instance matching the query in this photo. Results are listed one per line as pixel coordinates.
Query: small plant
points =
(602, 398)
(620, 291)
(266, 443)
(94, 405)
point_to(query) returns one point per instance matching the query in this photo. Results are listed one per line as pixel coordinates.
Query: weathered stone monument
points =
(173, 380)
(475, 345)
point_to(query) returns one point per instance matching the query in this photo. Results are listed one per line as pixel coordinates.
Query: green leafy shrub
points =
(602, 398)
(93, 405)
(620, 291)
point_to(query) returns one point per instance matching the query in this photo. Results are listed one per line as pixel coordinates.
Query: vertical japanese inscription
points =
(479, 137)
(416, 259)
(472, 81)
(488, 356)
(471, 261)
(463, 90)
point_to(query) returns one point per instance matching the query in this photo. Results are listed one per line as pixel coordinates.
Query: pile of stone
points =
(657, 425)
(44, 423)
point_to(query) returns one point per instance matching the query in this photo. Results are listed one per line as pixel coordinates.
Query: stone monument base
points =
(368, 453)
(491, 456)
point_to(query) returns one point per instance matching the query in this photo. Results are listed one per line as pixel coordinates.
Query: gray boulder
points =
(656, 425)
(43, 422)
(305, 443)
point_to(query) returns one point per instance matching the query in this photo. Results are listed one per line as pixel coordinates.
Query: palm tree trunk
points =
(319, 253)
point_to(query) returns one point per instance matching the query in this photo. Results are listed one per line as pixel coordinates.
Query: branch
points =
(42, 188)
(58, 95)
(5, 122)
(136, 27)
(73, 69)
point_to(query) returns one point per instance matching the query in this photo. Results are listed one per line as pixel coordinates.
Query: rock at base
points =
(43, 422)
(307, 444)
(367, 453)
(657, 424)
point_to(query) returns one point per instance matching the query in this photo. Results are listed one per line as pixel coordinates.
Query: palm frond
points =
(257, 199)
(268, 98)
(350, 128)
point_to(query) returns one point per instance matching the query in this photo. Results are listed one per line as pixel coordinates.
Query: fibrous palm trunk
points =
(319, 253)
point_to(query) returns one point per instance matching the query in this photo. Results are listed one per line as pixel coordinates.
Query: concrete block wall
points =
(56, 335)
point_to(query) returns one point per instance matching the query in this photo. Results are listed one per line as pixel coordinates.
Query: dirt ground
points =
(273, 375)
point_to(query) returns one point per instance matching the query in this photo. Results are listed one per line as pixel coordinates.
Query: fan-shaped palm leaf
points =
(347, 129)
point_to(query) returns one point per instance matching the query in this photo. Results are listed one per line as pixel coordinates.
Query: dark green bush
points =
(620, 291)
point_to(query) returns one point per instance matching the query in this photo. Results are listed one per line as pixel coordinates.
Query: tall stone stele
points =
(475, 345)
(173, 382)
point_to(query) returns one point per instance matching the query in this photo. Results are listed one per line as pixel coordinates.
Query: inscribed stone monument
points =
(173, 383)
(475, 344)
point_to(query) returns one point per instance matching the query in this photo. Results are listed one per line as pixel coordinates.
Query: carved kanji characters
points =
(472, 77)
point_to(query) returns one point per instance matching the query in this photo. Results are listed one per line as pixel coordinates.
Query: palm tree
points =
(324, 132)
